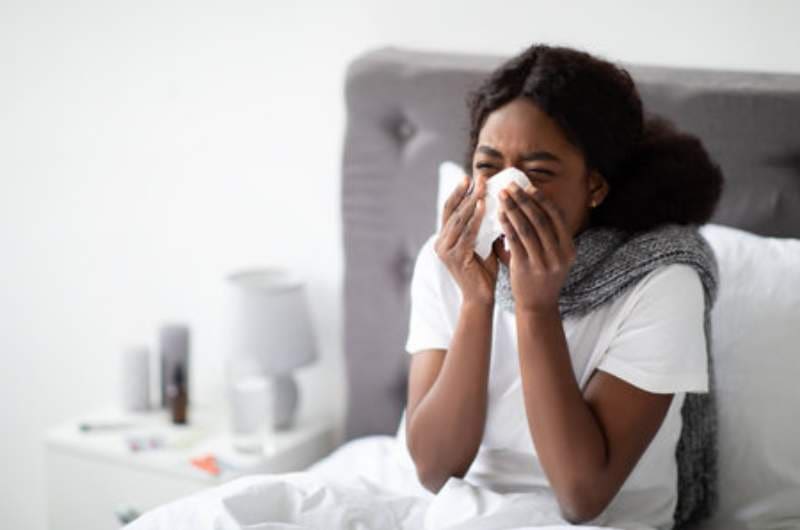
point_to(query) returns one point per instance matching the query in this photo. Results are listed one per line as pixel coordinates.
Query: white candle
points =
(135, 378)
(251, 412)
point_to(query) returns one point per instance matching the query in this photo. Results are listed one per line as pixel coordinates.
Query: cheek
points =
(570, 199)
(571, 214)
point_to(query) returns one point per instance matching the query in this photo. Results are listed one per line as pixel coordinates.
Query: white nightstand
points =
(92, 475)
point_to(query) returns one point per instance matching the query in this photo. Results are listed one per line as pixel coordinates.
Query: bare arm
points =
(588, 444)
(447, 389)
(447, 399)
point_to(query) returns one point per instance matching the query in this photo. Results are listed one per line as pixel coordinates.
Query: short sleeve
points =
(659, 345)
(429, 326)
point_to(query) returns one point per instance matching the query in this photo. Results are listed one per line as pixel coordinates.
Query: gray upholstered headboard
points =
(406, 112)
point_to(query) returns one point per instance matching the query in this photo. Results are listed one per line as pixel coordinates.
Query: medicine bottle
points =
(177, 396)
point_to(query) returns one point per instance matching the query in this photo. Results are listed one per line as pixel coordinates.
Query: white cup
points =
(135, 376)
(251, 400)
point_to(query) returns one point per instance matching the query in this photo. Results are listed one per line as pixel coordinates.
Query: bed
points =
(406, 114)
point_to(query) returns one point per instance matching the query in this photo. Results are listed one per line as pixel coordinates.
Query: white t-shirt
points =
(651, 336)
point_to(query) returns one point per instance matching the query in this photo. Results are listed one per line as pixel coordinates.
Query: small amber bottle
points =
(177, 396)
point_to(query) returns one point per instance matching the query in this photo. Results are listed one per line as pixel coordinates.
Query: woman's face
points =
(519, 134)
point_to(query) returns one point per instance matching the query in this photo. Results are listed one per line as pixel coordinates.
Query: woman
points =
(564, 362)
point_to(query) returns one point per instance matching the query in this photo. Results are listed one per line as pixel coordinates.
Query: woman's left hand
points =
(542, 250)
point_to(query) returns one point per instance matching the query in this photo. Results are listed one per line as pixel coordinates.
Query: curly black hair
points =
(656, 173)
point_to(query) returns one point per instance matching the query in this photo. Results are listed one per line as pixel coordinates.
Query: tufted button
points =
(405, 267)
(399, 389)
(404, 129)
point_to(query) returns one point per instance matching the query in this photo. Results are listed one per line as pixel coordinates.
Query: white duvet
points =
(365, 484)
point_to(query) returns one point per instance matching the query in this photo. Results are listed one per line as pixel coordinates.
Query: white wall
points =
(148, 149)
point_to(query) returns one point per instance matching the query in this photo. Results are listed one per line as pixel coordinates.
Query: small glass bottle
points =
(177, 396)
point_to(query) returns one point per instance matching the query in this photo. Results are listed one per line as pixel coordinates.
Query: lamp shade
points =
(272, 323)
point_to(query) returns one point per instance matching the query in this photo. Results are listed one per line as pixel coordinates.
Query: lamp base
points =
(286, 401)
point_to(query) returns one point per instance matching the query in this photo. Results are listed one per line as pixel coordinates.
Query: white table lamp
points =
(273, 326)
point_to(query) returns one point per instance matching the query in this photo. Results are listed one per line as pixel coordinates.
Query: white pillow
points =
(756, 350)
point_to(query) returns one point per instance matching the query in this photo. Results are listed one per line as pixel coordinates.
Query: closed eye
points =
(484, 165)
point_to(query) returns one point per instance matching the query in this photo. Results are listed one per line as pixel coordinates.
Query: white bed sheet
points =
(367, 483)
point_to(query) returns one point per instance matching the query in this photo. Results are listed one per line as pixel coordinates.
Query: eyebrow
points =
(528, 157)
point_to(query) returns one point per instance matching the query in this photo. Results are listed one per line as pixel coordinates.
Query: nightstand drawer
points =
(84, 492)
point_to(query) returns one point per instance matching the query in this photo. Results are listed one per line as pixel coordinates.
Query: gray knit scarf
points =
(608, 261)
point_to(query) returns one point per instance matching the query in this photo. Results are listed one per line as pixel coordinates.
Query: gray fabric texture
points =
(608, 262)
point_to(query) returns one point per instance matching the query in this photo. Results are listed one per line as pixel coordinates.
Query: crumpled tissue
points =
(450, 174)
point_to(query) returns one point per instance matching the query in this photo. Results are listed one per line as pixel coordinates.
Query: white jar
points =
(135, 379)
(251, 406)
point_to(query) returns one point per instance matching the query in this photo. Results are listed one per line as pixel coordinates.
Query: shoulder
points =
(428, 248)
(431, 272)
(674, 284)
(428, 267)
(668, 301)
(659, 342)
(427, 261)
(675, 273)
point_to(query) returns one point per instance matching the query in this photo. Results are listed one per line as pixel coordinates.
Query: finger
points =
(461, 216)
(491, 263)
(455, 199)
(470, 232)
(523, 227)
(514, 243)
(541, 222)
(455, 224)
(456, 218)
(559, 221)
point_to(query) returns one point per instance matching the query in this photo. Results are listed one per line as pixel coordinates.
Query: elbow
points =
(433, 481)
(433, 477)
(431, 472)
(581, 505)
(575, 517)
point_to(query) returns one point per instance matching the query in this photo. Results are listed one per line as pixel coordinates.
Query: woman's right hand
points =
(455, 246)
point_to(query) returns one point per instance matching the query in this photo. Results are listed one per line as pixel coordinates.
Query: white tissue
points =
(450, 174)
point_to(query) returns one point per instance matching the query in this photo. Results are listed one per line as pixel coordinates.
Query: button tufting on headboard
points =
(405, 266)
(400, 387)
(404, 129)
